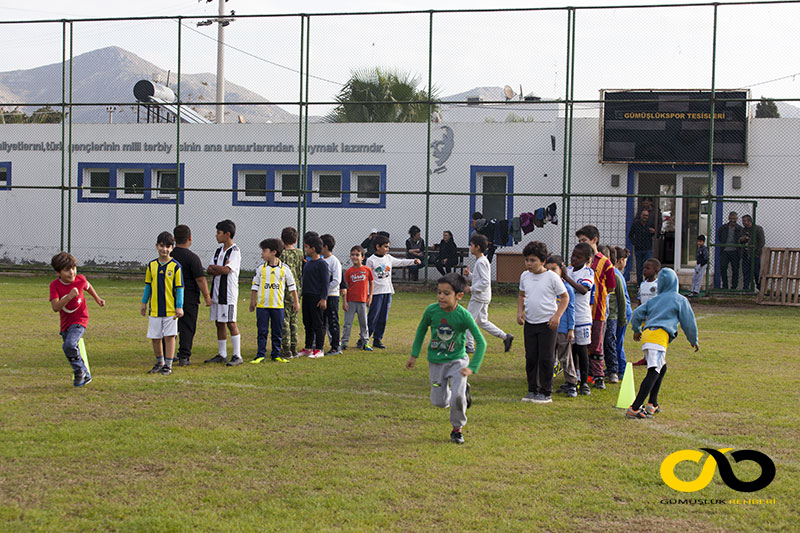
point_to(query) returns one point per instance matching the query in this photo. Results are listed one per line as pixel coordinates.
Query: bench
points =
(400, 253)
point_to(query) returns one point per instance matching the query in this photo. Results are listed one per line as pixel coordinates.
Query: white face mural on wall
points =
(442, 149)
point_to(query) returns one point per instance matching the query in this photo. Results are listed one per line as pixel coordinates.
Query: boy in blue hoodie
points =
(655, 323)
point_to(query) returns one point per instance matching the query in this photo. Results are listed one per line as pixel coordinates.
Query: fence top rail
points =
(407, 12)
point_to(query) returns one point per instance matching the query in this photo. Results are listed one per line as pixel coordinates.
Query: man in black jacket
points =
(641, 237)
(730, 235)
(754, 236)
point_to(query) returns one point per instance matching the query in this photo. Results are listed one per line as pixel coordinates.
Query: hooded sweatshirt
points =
(666, 310)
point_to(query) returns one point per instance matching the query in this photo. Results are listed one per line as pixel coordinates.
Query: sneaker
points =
(469, 397)
(305, 352)
(279, 359)
(586, 390)
(599, 383)
(542, 398)
(235, 361)
(165, 370)
(529, 397)
(564, 388)
(156, 368)
(572, 391)
(88, 379)
(216, 359)
(641, 414)
(81, 379)
(507, 342)
(456, 437)
(378, 344)
(360, 344)
(316, 354)
(257, 360)
(184, 361)
(612, 378)
(640, 362)
(343, 347)
(333, 351)
(367, 348)
(651, 409)
(295, 354)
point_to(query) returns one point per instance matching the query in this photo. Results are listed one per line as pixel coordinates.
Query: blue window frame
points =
(491, 179)
(142, 183)
(276, 185)
(5, 175)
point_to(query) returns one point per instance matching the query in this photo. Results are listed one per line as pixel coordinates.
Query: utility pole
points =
(221, 21)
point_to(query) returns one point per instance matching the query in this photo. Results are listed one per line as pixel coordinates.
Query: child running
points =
(566, 331)
(273, 280)
(481, 290)
(357, 298)
(660, 317)
(448, 363)
(542, 300)
(164, 290)
(66, 299)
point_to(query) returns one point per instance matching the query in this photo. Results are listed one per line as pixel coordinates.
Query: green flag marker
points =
(82, 348)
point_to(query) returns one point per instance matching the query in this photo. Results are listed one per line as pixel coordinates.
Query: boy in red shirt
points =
(605, 281)
(66, 298)
(357, 297)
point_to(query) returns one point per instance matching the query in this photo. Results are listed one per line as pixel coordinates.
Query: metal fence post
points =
(428, 148)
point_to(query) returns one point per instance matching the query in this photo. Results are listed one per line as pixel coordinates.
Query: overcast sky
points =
(615, 48)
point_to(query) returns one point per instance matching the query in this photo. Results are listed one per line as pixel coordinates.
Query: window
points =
(5, 175)
(493, 206)
(368, 188)
(129, 183)
(98, 183)
(166, 183)
(254, 184)
(327, 186)
(287, 185)
(132, 183)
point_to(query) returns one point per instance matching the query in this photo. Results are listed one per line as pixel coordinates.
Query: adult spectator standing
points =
(752, 234)
(728, 236)
(415, 249)
(641, 237)
(369, 243)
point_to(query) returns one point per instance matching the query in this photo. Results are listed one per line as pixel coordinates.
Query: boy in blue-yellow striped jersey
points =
(164, 290)
(272, 281)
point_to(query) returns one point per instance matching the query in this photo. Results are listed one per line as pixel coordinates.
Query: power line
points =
(245, 52)
(770, 81)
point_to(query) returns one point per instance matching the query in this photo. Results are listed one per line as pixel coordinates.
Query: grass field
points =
(352, 443)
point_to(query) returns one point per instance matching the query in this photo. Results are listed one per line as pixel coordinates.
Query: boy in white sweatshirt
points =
(481, 290)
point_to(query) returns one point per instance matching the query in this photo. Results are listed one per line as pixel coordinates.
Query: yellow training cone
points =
(627, 393)
(82, 348)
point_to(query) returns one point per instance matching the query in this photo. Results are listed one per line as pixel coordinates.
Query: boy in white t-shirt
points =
(581, 277)
(541, 302)
(481, 290)
(381, 264)
(225, 293)
(331, 314)
(649, 287)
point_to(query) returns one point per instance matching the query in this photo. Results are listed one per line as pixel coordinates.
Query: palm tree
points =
(377, 95)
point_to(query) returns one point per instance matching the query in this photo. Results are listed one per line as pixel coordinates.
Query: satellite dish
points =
(509, 92)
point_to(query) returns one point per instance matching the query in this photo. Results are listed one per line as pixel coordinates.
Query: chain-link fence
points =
(542, 120)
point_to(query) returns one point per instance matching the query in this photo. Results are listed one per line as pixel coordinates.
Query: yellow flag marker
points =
(627, 393)
(82, 348)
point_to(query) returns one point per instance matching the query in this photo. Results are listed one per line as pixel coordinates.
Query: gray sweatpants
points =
(352, 309)
(449, 387)
(480, 312)
(564, 356)
(697, 277)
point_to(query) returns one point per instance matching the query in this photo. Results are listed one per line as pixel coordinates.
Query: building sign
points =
(673, 127)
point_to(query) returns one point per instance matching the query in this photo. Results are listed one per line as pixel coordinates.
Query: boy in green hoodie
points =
(655, 323)
(448, 362)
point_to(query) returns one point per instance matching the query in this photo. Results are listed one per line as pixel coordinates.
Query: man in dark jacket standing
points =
(641, 237)
(728, 236)
(754, 236)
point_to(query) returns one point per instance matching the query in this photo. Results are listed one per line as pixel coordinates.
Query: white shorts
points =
(583, 335)
(162, 326)
(655, 355)
(223, 313)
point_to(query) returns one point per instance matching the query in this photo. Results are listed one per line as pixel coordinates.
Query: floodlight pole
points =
(221, 63)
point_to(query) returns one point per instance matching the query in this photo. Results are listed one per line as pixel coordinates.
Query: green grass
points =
(352, 442)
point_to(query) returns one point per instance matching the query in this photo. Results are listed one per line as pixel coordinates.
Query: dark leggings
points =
(312, 321)
(580, 358)
(650, 385)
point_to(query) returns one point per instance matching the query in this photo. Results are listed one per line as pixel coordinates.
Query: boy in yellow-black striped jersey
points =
(272, 281)
(164, 290)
